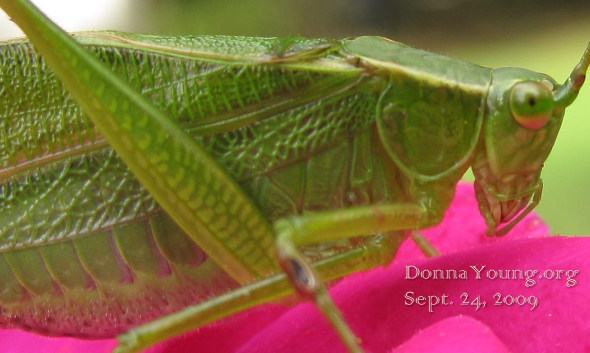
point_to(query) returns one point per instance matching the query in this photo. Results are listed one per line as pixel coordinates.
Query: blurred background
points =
(542, 35)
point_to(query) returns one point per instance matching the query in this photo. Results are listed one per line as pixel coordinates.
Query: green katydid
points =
(258, 150)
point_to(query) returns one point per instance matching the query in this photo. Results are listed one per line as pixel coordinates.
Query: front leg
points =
(334, 225)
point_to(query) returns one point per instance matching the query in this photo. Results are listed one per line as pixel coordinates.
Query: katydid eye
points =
(531, 104)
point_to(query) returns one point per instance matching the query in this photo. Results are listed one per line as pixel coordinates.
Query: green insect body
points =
(78, 197)
(319, 137)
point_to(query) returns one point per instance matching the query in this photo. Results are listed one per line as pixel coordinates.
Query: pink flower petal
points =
(455, 334)
(374, 302)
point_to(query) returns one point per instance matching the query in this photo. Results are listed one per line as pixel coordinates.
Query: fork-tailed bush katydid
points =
(222, 172)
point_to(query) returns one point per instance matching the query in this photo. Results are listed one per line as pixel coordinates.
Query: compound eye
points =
(531, 104)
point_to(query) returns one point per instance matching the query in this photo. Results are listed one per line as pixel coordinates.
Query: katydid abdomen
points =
(301, 125)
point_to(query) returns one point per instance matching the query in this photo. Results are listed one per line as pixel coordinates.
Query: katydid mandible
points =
(204, 175)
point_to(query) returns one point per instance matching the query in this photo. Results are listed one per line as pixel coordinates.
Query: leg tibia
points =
(334, 225)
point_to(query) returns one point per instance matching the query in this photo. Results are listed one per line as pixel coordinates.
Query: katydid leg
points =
(424, 244)
(376, 251)
(301, 230)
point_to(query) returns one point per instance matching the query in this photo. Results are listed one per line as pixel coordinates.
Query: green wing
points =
(253, 118)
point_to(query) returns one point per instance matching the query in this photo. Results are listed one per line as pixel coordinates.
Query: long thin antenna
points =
(566, 94)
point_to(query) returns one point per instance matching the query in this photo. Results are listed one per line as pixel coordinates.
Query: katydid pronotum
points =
(269, 159)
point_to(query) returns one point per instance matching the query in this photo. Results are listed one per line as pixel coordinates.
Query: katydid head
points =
(523, 114)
